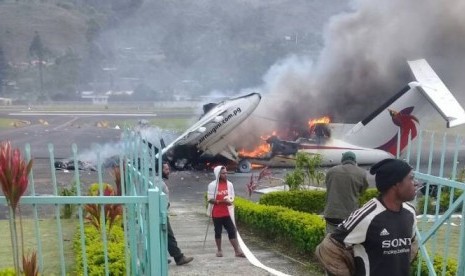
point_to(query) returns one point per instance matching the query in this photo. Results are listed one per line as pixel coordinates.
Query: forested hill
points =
(59, 28)
(156, 48)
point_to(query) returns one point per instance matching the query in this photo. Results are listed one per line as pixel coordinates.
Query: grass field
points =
(111, 107)
(177, 124)
(6, 123)
(446, 239)
(50, 244)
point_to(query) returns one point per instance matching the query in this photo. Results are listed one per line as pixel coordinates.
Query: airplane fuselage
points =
(207, 136)
(330, 151)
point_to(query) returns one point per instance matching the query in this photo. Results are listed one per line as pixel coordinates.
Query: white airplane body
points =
(377, 136)
(207, 137)
(330, 151)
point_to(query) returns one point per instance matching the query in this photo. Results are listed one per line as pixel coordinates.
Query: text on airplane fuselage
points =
(231, 115)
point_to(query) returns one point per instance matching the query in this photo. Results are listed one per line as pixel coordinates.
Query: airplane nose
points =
(255, 96)
(255, 99)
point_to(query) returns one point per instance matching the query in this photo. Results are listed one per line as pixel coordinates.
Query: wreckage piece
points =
(282, 147)
(69, 165)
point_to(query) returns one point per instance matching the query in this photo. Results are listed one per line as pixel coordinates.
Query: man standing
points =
(221, 209)
(382, 232)
(173, 248)
(344, 185)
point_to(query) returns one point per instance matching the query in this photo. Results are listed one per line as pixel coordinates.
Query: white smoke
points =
(109, 153)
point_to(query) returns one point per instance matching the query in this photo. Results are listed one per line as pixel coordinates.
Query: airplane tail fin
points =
(406, 111)
(437, 93)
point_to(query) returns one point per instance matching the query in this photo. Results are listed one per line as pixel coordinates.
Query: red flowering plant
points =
(14, 173)
(112, 212)
(255, 180)
(117, 175)
(30, 265)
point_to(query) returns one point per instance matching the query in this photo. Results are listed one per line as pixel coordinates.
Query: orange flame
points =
(322, 120)
(259, 151)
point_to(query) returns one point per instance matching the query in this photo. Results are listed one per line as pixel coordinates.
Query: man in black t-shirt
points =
(382, 232)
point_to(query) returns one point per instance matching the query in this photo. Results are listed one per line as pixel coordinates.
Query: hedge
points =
(303, 229)
(313, 201)
(309, 201)
(451, 267)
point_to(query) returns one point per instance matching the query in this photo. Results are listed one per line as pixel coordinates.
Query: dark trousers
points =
(173, 248)
(228, 225)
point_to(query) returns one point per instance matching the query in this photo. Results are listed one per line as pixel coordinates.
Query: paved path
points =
(189, 224)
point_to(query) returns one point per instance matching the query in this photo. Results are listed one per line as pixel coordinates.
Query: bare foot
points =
(240, 255)
(219, 254)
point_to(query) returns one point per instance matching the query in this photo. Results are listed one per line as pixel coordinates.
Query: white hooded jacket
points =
(213, 190)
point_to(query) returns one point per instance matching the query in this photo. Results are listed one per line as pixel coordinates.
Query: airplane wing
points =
(437, 93)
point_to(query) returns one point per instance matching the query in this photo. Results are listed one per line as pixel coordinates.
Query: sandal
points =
(219, 254)
(240, 255)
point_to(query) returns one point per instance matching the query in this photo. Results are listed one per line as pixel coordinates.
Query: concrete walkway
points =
(189, 224)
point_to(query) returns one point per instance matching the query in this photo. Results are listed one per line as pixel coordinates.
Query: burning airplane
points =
(372, 139)
(206, 141)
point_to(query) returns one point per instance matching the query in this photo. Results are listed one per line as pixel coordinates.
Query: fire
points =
(261, 150)
(322, 120)
(317, 127)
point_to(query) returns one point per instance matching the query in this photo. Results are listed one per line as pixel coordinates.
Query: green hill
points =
(60, 28)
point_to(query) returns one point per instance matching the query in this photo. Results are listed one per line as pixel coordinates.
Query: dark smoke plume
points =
(363, 63)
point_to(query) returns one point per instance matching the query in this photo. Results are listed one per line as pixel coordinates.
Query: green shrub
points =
(304, 230)
(306, 171)
(451, 267)
(67, 210)
(310, 165)
(432, 201)
(367, 195)
(95, 253)
(7, 272)
(94, 188)
(294, 179)
(310, 201)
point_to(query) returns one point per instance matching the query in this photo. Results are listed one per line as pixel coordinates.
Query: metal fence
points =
(143, 216)
(438, 162)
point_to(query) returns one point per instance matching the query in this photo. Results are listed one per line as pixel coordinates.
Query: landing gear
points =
(244, 166)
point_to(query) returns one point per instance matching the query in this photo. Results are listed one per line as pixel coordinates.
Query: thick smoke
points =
(363, 63)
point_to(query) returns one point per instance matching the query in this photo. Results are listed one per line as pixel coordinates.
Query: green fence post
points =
(154, 249)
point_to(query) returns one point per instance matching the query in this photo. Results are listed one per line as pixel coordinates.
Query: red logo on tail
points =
(406, 122)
